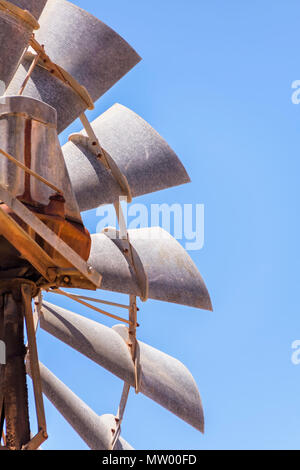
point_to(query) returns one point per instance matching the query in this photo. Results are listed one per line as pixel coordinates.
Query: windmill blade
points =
(84, 47)
(16, 28)
(35, 7)
(172, 275)
(162, 378)
(95, 431)
(146, 160)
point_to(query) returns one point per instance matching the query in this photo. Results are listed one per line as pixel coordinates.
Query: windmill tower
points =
(60, 62)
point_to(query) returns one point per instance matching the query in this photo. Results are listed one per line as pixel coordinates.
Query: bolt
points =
(67, 279)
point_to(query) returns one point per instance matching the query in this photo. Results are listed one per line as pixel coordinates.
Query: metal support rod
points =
(30, 172)
(41, 436)
(128, 251)
(120, 414)
(30, 71)
(2, 366)
(100, 301)
(91, 134)
(92, 307)
(121, 219)
(102, 155)
(132, 344)
(13, 384)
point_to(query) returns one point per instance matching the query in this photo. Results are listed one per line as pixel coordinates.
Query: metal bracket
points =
(133, 347)
(78, 298)
(30, 172)
(32, 251)
(19, 13)
(43, 60)
(132, 258)
(91, 142)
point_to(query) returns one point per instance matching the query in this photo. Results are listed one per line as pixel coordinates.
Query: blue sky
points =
(215, 81)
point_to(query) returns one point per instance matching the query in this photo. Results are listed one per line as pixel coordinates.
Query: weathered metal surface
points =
(172, 275)
(29, 143)
(28, 133)
(14, 38)
(35, 7)
(35, 441)
(142, 155)
(94, 430)
(162, 378)
(64, 250)
(13, 381)
(86, 48)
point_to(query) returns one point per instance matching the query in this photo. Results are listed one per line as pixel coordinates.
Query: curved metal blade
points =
(94, 430)
(141, 154)
(162, 378)
(87, 49)
(12, 50)
(172, 275)
(35, 7)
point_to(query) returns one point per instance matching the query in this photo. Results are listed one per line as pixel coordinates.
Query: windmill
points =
(60, 62)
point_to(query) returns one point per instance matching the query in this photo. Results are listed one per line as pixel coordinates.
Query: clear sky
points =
(215, 81)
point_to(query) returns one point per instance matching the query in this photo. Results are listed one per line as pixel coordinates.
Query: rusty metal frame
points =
(19, 13)
(91, 142)
(43, 60)
(31, 250)
(42, 435)
(100, 301)
(2, 372)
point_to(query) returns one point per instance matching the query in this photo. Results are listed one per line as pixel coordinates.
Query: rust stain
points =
(26, 196)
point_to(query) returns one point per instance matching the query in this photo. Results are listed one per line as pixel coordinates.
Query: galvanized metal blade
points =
(172, 275)
(162, 378)
(95, 431)
(35, 7)
(141, 154)
(16, 28)
(87, 49)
